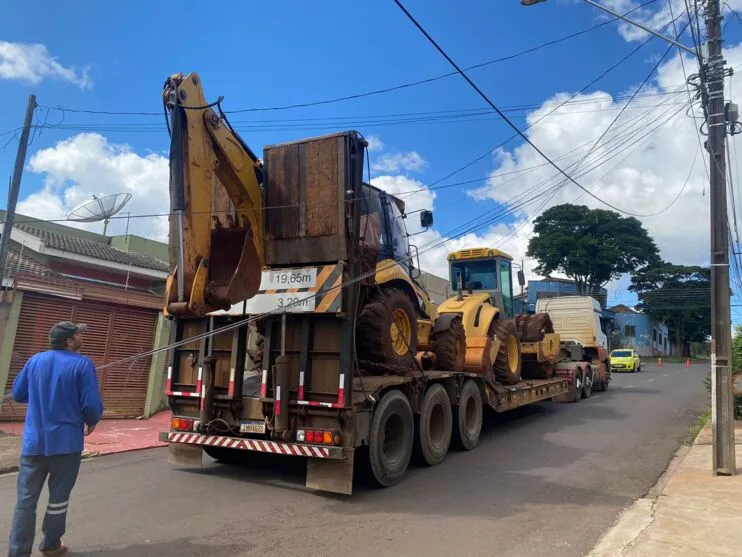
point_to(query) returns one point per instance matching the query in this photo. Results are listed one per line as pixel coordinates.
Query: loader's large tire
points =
(386, 330)
(508, 363)
(449, 347)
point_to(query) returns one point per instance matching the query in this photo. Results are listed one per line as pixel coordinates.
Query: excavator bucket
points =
(216, 202)
(233, 256)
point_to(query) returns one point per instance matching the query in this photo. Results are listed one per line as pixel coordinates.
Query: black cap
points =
(64, 330)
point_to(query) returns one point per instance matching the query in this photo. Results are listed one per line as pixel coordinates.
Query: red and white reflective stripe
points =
(183, 393)
(231, 383)
(341, 390)
(249, 445)
(199, 381)
(341, 395)
(168, 383)
(278, 401)
(264, 384)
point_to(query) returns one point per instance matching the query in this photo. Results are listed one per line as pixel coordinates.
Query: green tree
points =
(591, 246)
(679, 296)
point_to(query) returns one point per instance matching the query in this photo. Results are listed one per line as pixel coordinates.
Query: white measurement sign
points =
(283, 279)
(299, 302)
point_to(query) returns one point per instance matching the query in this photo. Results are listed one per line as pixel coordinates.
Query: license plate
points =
(252, 427)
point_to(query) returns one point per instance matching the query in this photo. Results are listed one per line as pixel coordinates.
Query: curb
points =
(639, 515)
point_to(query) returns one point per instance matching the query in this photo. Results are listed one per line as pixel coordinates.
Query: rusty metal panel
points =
(38, 314)
(304, 198)
(114, 333)
(124, 386)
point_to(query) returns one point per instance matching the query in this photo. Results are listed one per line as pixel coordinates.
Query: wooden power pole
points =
(15, 185)
(722, 403)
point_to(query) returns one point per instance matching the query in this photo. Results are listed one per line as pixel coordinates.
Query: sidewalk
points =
(689, 513)
(109, 437)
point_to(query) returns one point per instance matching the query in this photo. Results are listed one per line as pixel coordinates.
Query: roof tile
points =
(92, 248)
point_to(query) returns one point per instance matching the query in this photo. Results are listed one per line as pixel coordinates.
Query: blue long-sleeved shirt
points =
(61, 389)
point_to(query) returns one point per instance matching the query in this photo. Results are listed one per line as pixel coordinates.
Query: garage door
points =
(114, 333)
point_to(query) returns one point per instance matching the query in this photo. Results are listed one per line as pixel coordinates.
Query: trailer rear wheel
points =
(436, 423)
(391, 440)
(467, 417)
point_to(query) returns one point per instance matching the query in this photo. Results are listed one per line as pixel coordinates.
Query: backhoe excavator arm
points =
(216, 257)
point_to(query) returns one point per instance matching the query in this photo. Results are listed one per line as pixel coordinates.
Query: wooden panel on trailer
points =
(310, 177)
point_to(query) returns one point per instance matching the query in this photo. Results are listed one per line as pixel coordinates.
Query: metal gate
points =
(114, 332)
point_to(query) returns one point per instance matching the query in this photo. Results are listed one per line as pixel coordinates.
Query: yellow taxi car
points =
(625, 359)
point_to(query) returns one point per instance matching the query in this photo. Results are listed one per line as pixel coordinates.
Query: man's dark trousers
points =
(62, 473)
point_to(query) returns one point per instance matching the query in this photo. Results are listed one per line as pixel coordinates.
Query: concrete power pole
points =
(722, 410)
(15, 185)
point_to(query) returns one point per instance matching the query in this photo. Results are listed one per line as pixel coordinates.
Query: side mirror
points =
(521, 278)
(426, 218)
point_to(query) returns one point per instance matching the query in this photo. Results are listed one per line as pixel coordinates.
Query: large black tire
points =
(386, 311)
(507, 332)
(449, 347)
(467, 417)
(587, 384)
(391, 440)
(231, 457)
(436, 423)
(602, 385)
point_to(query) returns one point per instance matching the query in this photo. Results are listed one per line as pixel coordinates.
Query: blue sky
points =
(265, 54)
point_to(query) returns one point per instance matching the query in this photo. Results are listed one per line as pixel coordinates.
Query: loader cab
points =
(484, 269)
(382, 227)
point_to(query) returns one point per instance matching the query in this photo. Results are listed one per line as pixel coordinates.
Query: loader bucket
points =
(235, 266)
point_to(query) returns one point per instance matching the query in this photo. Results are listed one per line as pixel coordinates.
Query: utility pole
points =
(722, 404)
(15, 185)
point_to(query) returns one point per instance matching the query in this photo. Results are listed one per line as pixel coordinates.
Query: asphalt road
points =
(545, 480)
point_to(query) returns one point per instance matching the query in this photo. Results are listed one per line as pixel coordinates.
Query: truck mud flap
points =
(185, 455)
(334, 476)
(272, 447)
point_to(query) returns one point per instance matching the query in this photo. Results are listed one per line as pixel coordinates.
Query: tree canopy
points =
(679, 296)
(591, 246)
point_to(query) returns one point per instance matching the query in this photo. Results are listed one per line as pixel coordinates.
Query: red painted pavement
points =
(116, 436)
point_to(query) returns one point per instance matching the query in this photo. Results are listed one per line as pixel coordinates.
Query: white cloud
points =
(657, 19)
(640, 174)
(374, 143)
(33, 63)
(434, 246)
(85, 165)
(399, 162)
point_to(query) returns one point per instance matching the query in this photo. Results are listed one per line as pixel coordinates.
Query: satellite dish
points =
(100, 209)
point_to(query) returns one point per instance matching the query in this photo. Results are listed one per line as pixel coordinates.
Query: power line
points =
(392, 88)
(504, 117)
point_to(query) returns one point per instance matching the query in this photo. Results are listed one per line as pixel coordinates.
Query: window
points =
(507, 288)
(621, 354)
(481, 274)
(629, 331)
(372, 228)
(397, 233)
(654, 335)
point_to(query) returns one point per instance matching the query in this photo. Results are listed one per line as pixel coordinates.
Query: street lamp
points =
(627, 20)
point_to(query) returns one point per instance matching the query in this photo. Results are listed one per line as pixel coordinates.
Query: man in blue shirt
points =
(61, 389)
